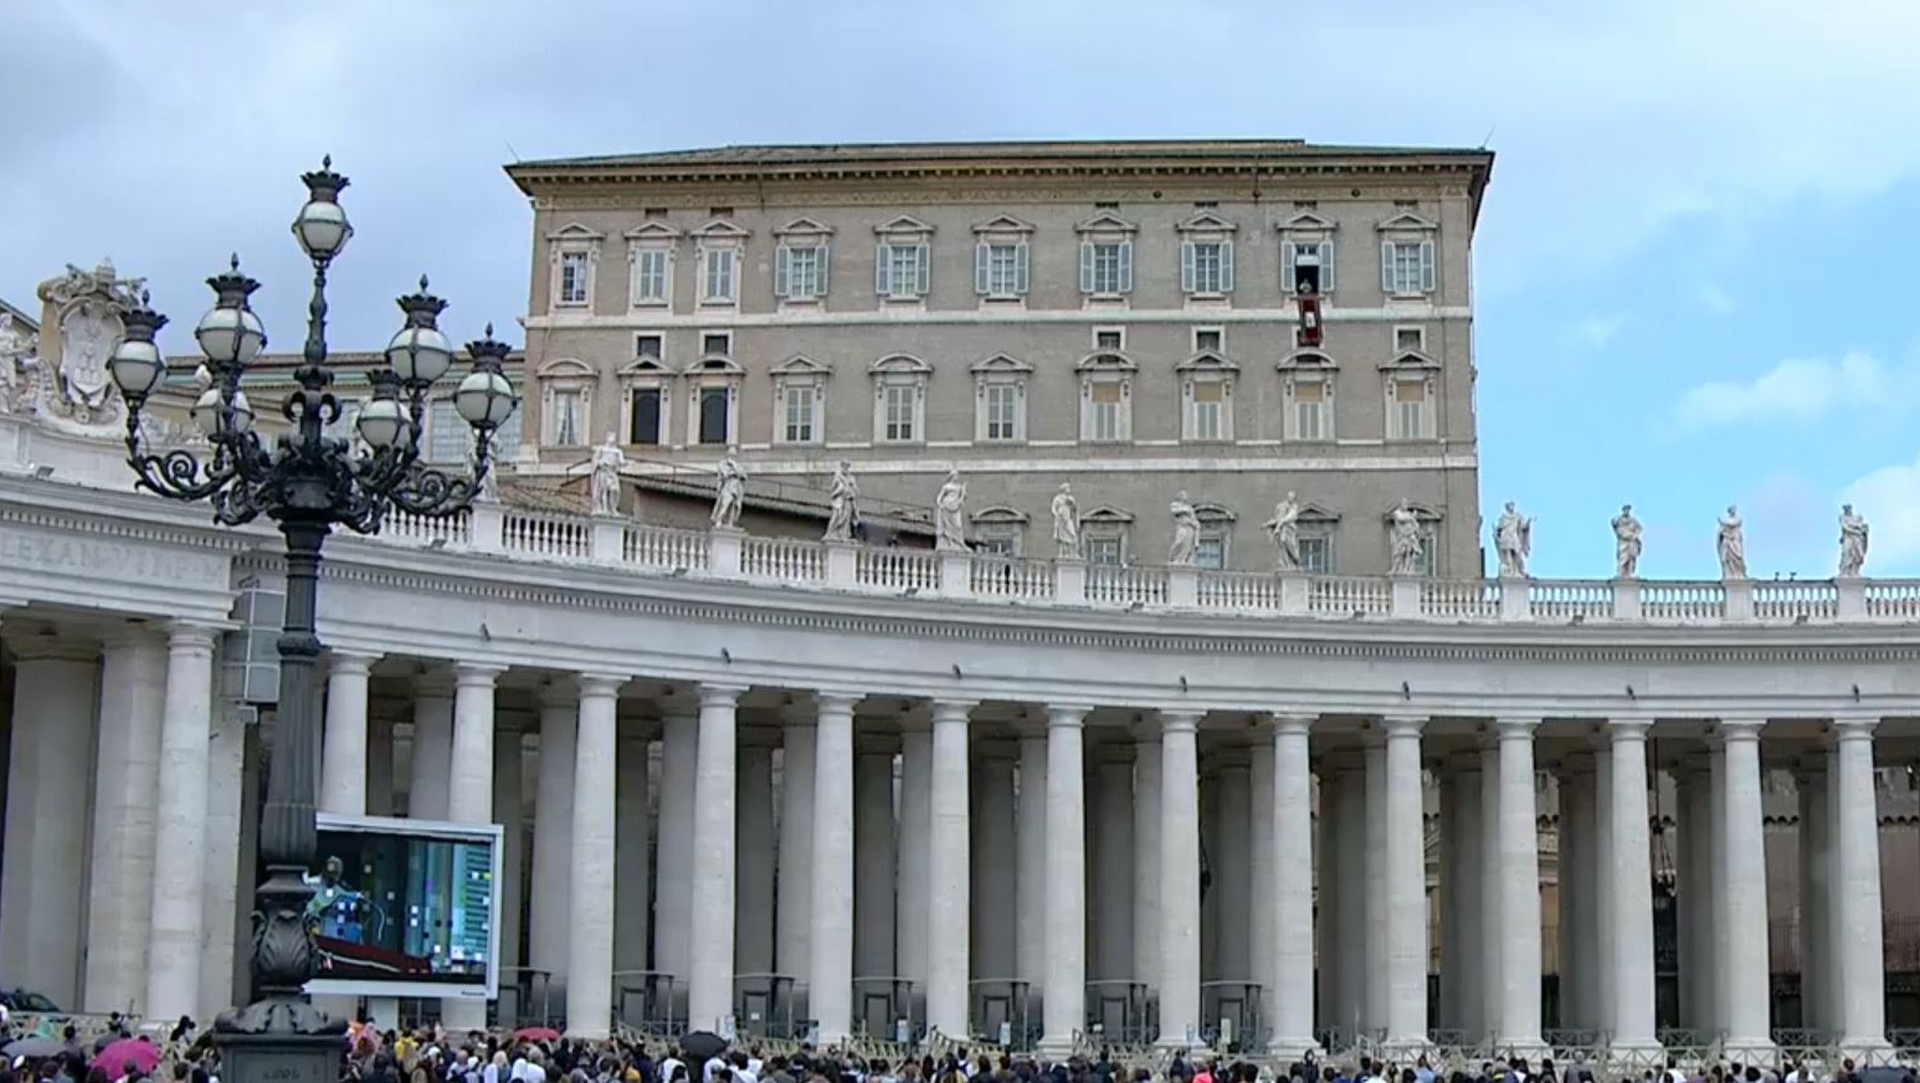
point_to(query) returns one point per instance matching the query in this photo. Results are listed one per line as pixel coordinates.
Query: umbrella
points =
(536, 1034)
(32, 1048)
(144, 1054)
(702, 1046)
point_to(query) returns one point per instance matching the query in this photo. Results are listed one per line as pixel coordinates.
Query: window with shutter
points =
(1126, 267)
(1426, 266)
(650, 276)
(1226, 267)
(923, 279)
(1107, 420)
(883, 270)
(718, 282)
(1020, 268)
(983, 268)
(1086, 267)
(782, 270)
(1326, 266)
(1189, 274)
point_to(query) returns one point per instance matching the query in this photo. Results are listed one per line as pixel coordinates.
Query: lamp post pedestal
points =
(280, 1058)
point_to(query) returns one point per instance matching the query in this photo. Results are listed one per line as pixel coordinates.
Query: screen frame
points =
(440, 830)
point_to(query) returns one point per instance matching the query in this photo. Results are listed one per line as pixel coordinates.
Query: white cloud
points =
(1797, 389)
(1715, 299)
(1886, 498)
(1594, 331)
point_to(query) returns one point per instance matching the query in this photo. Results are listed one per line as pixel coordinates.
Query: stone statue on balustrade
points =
(1407, 543)
(1284, 529)
(1853, 542)
(842, 493)
(1626, 543)
(1066, 524)
(730, 493)
(18, 364)
(1732, 545)
(1513, 540)
(1182, 552)
(603, 485)
(950, 515)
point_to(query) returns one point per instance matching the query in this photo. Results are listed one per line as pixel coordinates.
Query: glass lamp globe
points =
(484, 399)
(382, 422)
(209, 417)
(322, 228)
(419, 355)
(230, 335)
(136, 368)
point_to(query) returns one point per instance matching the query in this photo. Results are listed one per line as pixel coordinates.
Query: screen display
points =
(404, 908)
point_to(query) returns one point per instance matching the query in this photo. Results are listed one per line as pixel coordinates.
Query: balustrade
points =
(897, 569)
(1010, 577)
(664, 547)
(785, 559)
(547, 535)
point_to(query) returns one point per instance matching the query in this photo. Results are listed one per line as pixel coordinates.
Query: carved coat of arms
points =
(79, 331)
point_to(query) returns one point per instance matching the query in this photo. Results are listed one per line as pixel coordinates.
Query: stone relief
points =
(842, 493)
(1626, 543)
(60, 374)
(1732, 545)
(950, 515)
(1186, 532)
(730, 493)
(1853, 542)
(1513, 540)
(603, 486)
(1066, 523)
(1284, 528)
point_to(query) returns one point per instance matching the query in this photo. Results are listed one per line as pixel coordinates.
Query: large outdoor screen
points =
(405, 908)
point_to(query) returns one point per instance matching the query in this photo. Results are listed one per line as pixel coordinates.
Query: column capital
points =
(354, 662)
(1741, 728)
(1294, 721)
(720, 695)
(1516, 727)
(1067, 715)
(1855, 727)
(1180, 721)
(476, 674)
(953, 710)
(1403, 725)
(835, 701)
(1629, 727)
(599, 685)
(187, 635)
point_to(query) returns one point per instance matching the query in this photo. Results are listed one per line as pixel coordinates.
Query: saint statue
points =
(604, 485)
(950, 516)
(1513, 540)
(1066, 524)
(1186, 533)
(1626, 543)
(1408, 545)
(1853, 542)
(842, 491)
(1284, 528)
(1732, 544)
(729, 493)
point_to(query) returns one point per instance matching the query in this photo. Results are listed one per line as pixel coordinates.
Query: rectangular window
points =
(567, 422)
(1000, 270)
(1002, 406)
(1209, 340)
(1206, 267)
(1106, 267)
(573, 278)
(1209, 404)
(1109, 340)
(800, 273)
(713, 415)
(1105, 551)
(902, 271)
(719, 286)
(1410, 338)
(1410, 409)
(716, 344)
(798, 428)
(1316, 554)
(1210, 552)
(899, 413)
(1106, 411)
(653, 346)
(645, 428)
(1309, 410)
(1304, 264)
(1406, 267)
(650, 276)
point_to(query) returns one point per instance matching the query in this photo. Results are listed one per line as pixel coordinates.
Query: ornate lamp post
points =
(309, 483)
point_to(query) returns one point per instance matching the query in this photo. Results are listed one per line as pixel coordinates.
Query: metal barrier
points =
(662, 1008)
(764, 1005)
(1233, 1006)
(1002, 1009)
(882, 1006)
(1118, 1009)
(528, 999)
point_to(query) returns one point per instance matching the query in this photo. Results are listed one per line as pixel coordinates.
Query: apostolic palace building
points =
(1003, 787)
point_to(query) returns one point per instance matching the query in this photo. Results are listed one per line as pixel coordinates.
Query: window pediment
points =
(653, 229)
(900, 364)
(1308, 222)
(904, 226)
(565, 366)
(1004, 224)
(1214, 513)
(804, 229)
(1107, 513)
(646, 366)
(1207, 222)
(716, 365)
(720, 229)
(1407, 222)
(1410, 361)
(1000, 513)
(1106, 361)
(1207, 361)
(1307, 361)
(1317, 513)
(1422, 512)
(1107, 222)
(574, 231)
(1001, 364)
(801, 365)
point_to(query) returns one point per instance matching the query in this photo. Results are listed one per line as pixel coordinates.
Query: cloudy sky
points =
(1697, 266)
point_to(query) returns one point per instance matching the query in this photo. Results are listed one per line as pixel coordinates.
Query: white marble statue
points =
(604, 484)
(1626, 543)
(1513, 540)
(842, 492)
(1408, 545)
(730, 493)
(17, 348)
(1732, 545)
(1066, 523)
(950, 515)
(1853, 542)
(1284, 528)
(1186, 533)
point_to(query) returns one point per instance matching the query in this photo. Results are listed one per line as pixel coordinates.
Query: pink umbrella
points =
(143, 1053)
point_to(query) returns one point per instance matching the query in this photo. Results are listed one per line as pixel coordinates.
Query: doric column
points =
(948, 861)
(1065, 1010)
(173, 941)
(1492, 976)
(432, 745)
(590, 939)
(1855, 903)
(1406, 886)
(873, 860)
(509, 811)
(710, 983)
(1113, 857)
(754, 860)
(1519, 1026)
(1817, 1013)
(1290, 887)
(1377, 984)
(549, 946)
(994, 872)
(679, 744)
(1146, 857)
(133, 690)
(1630, 866)
(470, 793)
(1179, 968)
(1603, 950)
(1030, 880)
(1580, 867)
(343, 769)
(631, 845)
(1232, 872)
(1745, 891)
(793, 938)
(1262, 885)
(914, 819)
(830, 941)
(1467, 914)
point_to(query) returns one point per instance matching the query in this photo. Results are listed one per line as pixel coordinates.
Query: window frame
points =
(1106, 368)
(1206, 229)
(647, 373)
(1209, 369)
(909, 375)
(901, 233)
(1002, 231)
(1106, 526)
(566, 376)
(798, 236)
(564, 244)
(1106, 229)
(1308, 231)
(1000, 372)
(1411, 368)
(720, 237)
(800, 373)
(647, 240)
(710, 372)
(1217, 526)
(999, 524)
(1309, 367)
(1409, 230)
(1317, 524)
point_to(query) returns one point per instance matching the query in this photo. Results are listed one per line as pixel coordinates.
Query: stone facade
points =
(1010, 385)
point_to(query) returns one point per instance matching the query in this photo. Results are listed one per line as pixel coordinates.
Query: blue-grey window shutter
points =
(923, 257)
(1426, 266)
(1289, 267)
(1126, 266)
(1187, 275)
(782, 270)
(1326, 266)
(826, 252)
(1226, 266)
(982, 260)
(882, 268)
(1086, 266)
(1020, 268)
(1386, 266)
